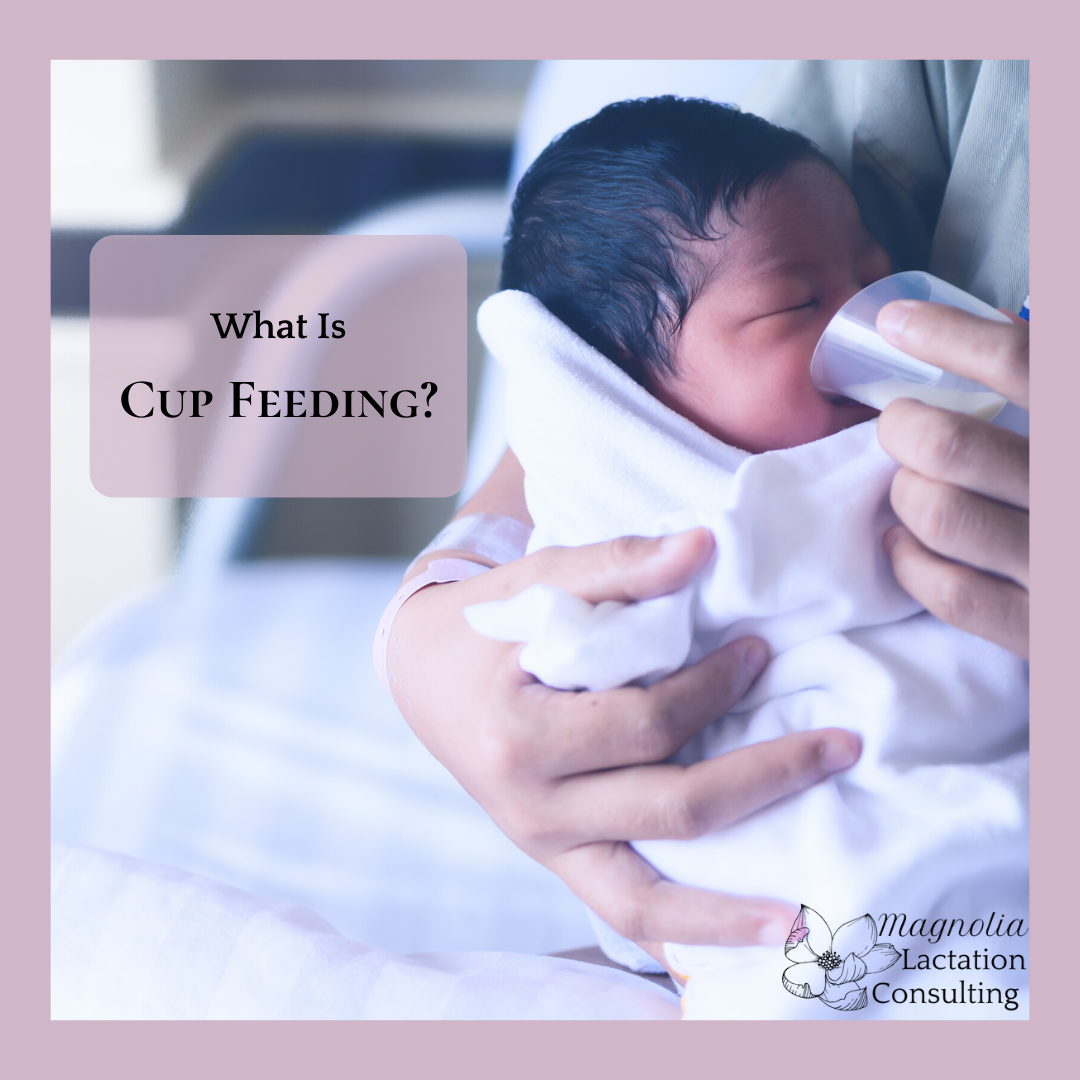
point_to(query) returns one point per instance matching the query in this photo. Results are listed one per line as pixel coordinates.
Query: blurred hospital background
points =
(215, 709)
(251, 147)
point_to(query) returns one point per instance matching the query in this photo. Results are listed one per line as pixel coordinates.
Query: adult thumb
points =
(629, 568)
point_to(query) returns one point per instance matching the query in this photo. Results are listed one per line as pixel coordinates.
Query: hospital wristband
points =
(500, 539)
(439, 572)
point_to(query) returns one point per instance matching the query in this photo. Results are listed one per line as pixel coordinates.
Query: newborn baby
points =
(670, 267)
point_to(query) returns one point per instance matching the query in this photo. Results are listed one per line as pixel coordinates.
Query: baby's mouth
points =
(865, 412)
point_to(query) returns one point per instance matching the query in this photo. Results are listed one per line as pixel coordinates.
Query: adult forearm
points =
(502, 493)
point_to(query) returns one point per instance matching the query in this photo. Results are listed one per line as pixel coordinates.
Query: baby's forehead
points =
(802, 216)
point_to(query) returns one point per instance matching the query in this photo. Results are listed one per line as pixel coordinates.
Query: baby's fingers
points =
(633, 899)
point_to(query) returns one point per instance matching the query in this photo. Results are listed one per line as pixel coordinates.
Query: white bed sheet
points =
(131, 940)
(240, 733)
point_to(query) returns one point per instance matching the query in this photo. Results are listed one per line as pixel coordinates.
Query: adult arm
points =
(962, 494)
(571, 777)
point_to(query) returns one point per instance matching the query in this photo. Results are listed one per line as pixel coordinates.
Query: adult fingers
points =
(633, 899)
(992, 353)
(630, 568)
(675, 802)
(957, 449)
(962, 525)
(960, 595)
(583, 732)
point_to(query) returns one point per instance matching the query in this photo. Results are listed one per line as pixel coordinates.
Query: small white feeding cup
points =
(854, 361)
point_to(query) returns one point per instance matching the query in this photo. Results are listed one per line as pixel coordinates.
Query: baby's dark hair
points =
(602, 218)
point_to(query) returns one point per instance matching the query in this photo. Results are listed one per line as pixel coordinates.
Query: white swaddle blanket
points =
(933, 818)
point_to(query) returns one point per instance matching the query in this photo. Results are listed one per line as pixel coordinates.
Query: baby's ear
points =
(620, 353)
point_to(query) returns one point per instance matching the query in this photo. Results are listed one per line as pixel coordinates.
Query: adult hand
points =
(962, 493)
(571, 777)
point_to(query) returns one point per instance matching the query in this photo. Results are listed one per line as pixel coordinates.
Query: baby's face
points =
(742, 362)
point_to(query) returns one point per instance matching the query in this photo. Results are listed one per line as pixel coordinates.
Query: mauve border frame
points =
(482, 28)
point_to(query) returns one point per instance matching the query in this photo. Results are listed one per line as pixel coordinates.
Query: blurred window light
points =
(106, 169)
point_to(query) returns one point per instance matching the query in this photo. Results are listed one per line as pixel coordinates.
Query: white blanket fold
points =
(938, 800)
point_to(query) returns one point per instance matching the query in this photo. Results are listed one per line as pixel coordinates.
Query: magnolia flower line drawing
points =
(828, 966)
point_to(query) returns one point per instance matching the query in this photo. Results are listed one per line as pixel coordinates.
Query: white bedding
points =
(132, 940)
(241, 734)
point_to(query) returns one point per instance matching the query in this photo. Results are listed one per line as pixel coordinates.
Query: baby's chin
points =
(845, 413)
(824, 418)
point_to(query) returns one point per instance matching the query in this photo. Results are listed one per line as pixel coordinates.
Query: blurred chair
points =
(230, 724)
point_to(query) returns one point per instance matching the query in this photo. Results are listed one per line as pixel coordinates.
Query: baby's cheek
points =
(797, 414)
(809, 424)
(776, 417)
